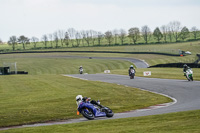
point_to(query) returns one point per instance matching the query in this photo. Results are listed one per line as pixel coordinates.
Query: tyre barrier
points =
(177, 65)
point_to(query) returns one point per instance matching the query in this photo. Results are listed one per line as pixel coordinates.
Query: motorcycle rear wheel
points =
(132, 76)
(188, 78)
(191, 78)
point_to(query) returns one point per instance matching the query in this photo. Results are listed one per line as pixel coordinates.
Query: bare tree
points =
(122, 35)
(87, 37)
(23, 40)
(99, 37)
(78, 38)
(169, 33)
(116, 35)
(134, 34)
(35, 40)
(184, 33)
(93, 36)
(61, 35)
(12, 41)
(176, 29)
(109, 37)
(55, 38)
(83, 32)
(71, 32)
(164, 32)
(1, 41)
(66, 39)
(44, 40)
(195, 31)
(157, 34)
(146, 33)
(51, 40)
(82, 36)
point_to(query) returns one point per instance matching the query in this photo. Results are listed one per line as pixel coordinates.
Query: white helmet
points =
(131, 66)
(79, 99)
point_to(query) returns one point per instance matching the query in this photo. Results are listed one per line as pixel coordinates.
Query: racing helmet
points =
(131, 66)
(79, 99)
(184, 65)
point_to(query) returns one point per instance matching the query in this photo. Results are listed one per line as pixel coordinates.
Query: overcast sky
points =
(39, 17)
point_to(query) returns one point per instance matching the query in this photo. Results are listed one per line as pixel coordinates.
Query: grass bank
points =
(172, 48)
(180, 122)
(49, 64)
(39, 98)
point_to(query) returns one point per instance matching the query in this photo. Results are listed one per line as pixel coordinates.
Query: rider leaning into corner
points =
(81, 70)
(129, 70)
(80, 98)
(80, 67)
(185, 68)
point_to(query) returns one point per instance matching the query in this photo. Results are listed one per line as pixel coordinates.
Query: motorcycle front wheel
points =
(87, 114)
(188, 78)
(109, 112)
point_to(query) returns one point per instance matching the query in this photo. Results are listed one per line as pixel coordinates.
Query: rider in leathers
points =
(129, 71)
(80, 99)
(185, 68)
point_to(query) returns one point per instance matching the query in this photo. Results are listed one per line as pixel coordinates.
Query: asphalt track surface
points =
(185, 95)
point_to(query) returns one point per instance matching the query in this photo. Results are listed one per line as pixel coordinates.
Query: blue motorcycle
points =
(90, 111)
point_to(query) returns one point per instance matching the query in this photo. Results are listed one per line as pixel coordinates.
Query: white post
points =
(15, 67)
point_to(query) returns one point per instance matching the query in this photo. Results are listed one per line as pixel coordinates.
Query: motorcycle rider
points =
(80, 69)
(80, 98)
(185, 68)
(129, 71)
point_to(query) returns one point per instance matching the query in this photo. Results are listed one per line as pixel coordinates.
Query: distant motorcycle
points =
(132, 74)
(90, 111)
(189, 74)
(81, 70)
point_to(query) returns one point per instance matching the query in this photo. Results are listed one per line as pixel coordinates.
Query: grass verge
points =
(165, 73)
(180, 122)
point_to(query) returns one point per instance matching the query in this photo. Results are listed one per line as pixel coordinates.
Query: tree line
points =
(172, 32)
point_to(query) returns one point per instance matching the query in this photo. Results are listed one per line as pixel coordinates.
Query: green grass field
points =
(50, 65)
(45, 95)
(180, 122)
(54, 63)
(39, 98)
(172, 48)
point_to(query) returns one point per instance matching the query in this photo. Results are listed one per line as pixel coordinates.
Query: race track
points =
(186, 95)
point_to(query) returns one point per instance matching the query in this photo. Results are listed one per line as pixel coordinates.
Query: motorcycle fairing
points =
(97, 112)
